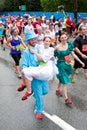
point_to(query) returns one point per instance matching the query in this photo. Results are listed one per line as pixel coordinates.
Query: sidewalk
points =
(5, 55)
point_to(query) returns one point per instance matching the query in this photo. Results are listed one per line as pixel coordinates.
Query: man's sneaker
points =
(39, 116)
(68, 101)
(26, 95)
(59, 93)
(21, 87)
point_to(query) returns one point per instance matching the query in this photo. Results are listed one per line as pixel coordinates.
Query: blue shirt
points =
(29, 59)
(15, 43)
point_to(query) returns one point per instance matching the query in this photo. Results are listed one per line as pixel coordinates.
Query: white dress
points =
(46, 70)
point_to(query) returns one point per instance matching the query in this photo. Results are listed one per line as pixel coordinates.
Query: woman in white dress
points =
(46, 68)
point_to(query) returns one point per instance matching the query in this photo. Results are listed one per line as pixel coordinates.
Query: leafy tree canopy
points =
(43, 5)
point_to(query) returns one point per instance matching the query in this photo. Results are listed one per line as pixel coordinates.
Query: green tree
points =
(22, 2)
(1, 5)
(34, 5)
(42, 5)
(49, 5)
(68, 4)
(11, 5)
(82, 5)
(52, 5)
(31, 5)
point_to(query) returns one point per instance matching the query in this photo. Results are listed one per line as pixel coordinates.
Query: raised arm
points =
(22, 42)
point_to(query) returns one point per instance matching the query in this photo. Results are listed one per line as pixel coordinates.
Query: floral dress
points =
(64, 67)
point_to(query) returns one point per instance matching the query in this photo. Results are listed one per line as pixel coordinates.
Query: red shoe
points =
(21, 87)
(26, 95)
(58, 92)
(39, 116)
(68, 101)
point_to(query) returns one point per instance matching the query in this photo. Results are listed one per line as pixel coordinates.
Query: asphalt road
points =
(19, 115)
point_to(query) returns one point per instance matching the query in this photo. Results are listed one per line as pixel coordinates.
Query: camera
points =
(61, 7)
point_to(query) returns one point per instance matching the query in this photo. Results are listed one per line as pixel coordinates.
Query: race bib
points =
(67, 58)
(84, 48)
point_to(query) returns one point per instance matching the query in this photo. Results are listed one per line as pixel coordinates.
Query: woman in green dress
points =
(62, 51)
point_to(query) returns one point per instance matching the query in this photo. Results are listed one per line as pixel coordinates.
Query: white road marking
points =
(61, 123)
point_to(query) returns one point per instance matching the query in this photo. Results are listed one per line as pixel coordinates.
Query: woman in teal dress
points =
(62, 52)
